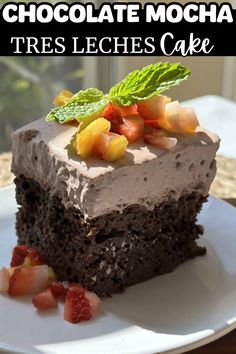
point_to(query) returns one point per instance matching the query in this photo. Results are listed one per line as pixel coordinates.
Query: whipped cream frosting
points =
(145, 176)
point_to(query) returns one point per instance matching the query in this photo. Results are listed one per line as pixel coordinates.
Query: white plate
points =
(169, 314)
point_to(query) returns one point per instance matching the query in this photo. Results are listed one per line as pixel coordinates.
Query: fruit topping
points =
(128, 109)
(44, 300)
(159, 140)
(86, 139)
(80, 305)
(28, 280)
(96, 140)
(110, 146)
(63, 97)
(153, 108)
(114, 111)
(131, 127)
(180, 119)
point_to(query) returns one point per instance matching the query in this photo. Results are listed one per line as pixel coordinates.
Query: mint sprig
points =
(137, 86)
(84, 104)
(150, 81)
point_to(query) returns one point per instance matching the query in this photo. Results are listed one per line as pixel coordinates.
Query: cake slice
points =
(111, 224)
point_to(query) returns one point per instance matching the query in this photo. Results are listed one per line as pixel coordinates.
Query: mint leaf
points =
(84, 104)
(147, 82)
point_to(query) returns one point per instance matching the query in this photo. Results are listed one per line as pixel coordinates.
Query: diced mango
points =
(62, 98)
(84, 143)
(116, 148)
(86, 139)
(84, 123)
(100, 125)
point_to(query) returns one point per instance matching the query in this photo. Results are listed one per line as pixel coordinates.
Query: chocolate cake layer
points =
(108, 253)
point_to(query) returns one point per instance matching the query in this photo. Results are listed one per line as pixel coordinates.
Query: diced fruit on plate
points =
(27, 262)
(40, 281)
(29, 280)
(110, 146)
(44, 300)
(132, 127)
(27, 256)
(180, 119)
(4, 280)
(59, 290)
(62, 98)
(80, 305)
(95, 302)
(158, 139)
(86, 139)
(153, 108)
(77, 306)
(18, 255)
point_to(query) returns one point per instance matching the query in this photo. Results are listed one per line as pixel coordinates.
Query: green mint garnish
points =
(137, 86)
(147, 82)
(82, 105)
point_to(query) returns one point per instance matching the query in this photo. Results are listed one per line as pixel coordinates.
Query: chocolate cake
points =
(109, 187)
(110, 225)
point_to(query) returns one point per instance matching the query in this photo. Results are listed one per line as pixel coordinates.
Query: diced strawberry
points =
(132, 127)
(158, 139)
(152, 123)
(44, 300)
(153, 108)
(128, 110)
(95, 302)
(18, 255)
(4, 280)
(113, 114)
(59, 290)
(23, 251)
(77, 306)
(113, 111)
(29, 280)
(35, 257)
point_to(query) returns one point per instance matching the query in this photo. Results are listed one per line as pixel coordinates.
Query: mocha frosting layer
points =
(146, 175)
